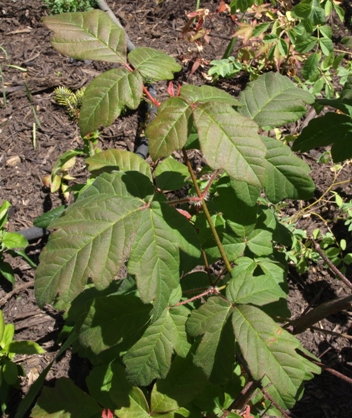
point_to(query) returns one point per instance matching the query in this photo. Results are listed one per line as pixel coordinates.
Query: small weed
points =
(69, 6)
(11, 243)
(10, 370)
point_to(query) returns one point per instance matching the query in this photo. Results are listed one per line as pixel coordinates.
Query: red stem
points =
(211, 291)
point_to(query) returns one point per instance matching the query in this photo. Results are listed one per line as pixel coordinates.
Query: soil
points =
(31, 69)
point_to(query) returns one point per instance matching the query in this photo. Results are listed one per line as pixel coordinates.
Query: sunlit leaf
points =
(153, 64)
(13, 240)
(230, 141)
(271, 351)
(90, 35)
(274, 100)
(286, 175)
(203, 94)
(118, 160)
(93, 237)
(24, 347)
(170, 129)
(107, 95)
(245, 288)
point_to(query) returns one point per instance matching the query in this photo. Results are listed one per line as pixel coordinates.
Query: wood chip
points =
(13, 161)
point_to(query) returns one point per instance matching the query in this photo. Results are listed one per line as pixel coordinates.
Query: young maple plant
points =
(168, 338)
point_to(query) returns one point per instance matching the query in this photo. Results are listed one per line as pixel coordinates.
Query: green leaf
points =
(306, 44)
(4, 209)
(204, 94)
(2, 325)
(273, 100)
(317, 13)
(9, 332)
(273, 269)
(332, 128)
(283, 47)
(138, 406)
(271, 351)
(99, 383)
(245, 288)
(153, 64)
(310, 9)
(94, 237)
(64, 401)
(170, 129)
(340, 12)
(286, 175)
(63, 160)
(259, 242)
(24, 347)
(214, 351)
(245, 192)
(47, 218)
(326, 46)
(310, 68)
(155, 256)
(260, 28)
(179, 316)
(91, 35)
(226, 67)
(117, 160)
(239, 216)
(13, 240)
(182, 384)
(326, 31)
(7, 271)
(171, 174)
(243, 5)
(318, 86)
(9, 371)
(37, 386)
(347, 41)
(130, 400)
(113, 320)
(233, 246)
(341, 103)
(230, 141)
(150, 357)
(107, 95)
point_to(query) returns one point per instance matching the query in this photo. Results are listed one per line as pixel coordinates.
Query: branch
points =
(105, 8)
(329, 263)
(16, 290)
(320, 312)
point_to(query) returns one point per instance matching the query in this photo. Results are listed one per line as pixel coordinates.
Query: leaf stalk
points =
(206, 212)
